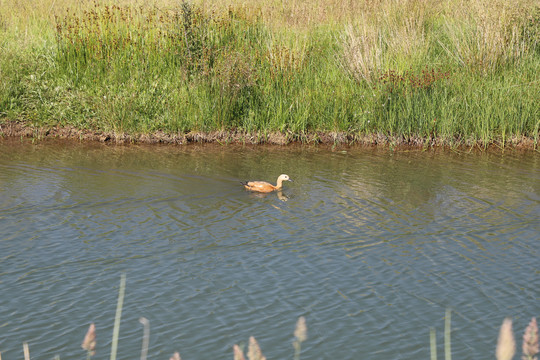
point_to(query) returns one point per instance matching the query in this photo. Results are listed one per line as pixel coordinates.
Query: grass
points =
(458, 71)
(505, 349)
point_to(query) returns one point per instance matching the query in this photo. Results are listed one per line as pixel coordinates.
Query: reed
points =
(118, 316)
(89, 342)
(417, 70)
(505, 346)
(300, 335)
(530, 345)
(146, 337)
(433, 343)
(26, 351)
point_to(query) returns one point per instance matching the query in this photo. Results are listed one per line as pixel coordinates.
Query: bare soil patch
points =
(11, 128)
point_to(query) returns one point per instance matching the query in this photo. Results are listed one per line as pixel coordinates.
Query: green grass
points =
(412, 70)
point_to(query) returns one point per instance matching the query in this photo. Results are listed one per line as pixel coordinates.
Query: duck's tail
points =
(244, 183)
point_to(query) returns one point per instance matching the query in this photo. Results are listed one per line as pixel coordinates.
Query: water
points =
(371, 246)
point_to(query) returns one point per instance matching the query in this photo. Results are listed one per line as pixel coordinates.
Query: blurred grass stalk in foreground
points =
(505, 345)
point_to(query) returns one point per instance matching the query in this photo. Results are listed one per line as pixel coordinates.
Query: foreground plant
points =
(254, 351)
(146, 337)
(447, 338)
(506, 345)
(530, 341)
(89, 342)
(238, 353)
(300, 333)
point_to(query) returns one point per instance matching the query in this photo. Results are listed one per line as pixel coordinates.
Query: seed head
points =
(89, 342)
(506, 346)
(254, 350)
(301, 330)
(238, 353)
(530, 341)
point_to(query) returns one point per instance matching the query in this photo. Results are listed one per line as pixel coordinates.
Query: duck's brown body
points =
(265, 187)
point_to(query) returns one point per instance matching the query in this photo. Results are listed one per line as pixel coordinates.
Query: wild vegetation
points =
(505, 350)
(416, 71)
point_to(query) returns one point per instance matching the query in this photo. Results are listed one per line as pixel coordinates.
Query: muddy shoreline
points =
(19, 129)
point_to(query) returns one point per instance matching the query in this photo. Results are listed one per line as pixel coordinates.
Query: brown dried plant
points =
(235, 72)
(285, 62)
(487, 34)
(89, 342)
(409, 81)
(254, 350)
(238, 353)
(363, 51)
(26, 351)
(300, 333)
(506, 345)
(530, 341)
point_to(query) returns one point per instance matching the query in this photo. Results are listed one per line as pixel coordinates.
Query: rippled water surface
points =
(370, 246)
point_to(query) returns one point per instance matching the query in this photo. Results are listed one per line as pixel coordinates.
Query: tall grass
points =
(425, 71)
(505, 350)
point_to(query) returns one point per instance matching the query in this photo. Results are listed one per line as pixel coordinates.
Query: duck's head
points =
(283, 177)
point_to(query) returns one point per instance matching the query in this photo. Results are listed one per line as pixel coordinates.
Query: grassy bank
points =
(458, 71)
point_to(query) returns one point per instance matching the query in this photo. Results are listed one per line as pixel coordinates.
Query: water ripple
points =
(371, 247)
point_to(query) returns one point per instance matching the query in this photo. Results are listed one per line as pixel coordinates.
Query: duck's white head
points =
(283, 177)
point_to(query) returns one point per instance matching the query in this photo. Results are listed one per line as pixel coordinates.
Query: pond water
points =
(371, 246)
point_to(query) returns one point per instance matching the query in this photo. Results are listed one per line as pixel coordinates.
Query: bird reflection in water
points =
(280, 195)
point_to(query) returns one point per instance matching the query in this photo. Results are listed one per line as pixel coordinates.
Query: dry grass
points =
(479, 34)
(530, 345)
(299, 14)
(461, 69)
(363, 52)
(486, 35)
(386, 36)
(377, 34)
(506, 345)
(505, 349)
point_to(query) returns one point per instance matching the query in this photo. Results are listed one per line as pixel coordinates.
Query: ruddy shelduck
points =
(263, 186)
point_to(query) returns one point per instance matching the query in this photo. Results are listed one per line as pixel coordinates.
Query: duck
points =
(266, 187)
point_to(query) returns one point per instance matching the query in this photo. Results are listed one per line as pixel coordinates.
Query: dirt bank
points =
(10, 128)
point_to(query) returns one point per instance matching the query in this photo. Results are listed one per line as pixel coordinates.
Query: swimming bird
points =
(265, 187)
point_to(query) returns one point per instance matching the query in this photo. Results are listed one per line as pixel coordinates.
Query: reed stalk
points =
(433, 343)
(146, 337)
(447, 335)
(26, 351)
(118, 316)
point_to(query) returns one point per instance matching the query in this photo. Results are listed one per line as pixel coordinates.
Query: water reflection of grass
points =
(417, 69)
(505, 346)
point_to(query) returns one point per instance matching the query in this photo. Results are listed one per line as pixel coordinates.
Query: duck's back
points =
(260, 186)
